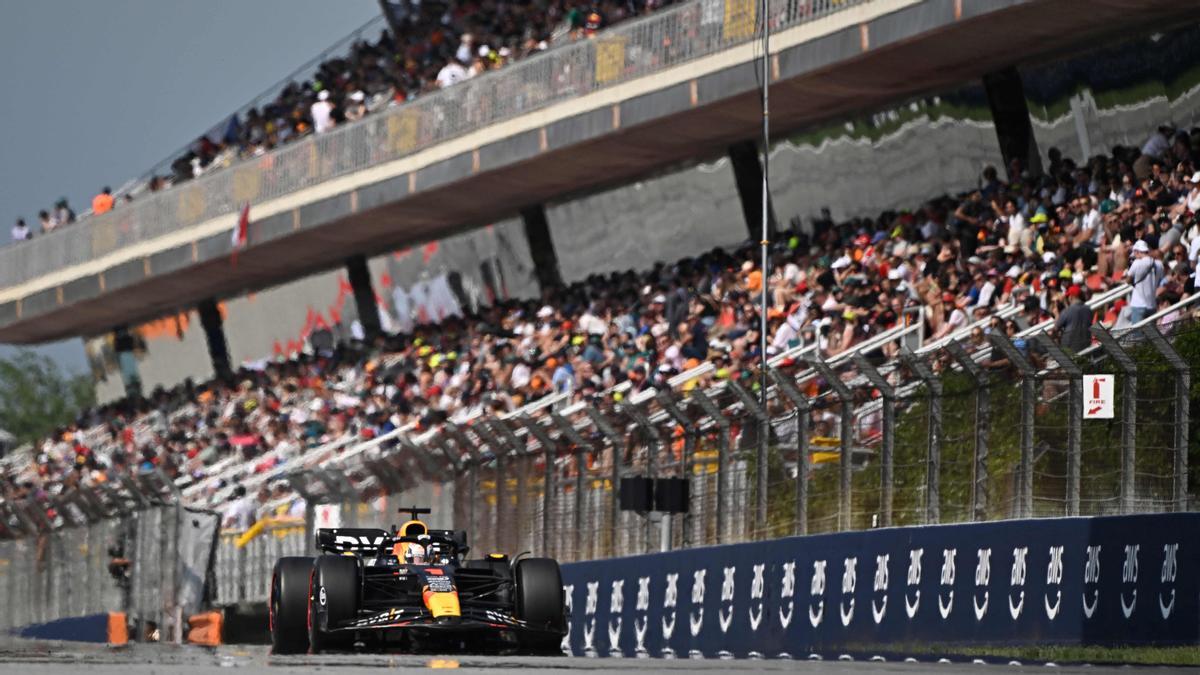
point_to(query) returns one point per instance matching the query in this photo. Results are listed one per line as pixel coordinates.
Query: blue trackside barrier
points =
(107, 627)
(1106, 581)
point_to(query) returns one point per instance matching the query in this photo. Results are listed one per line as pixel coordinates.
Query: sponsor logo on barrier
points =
(641, 622)
(1091, 578)
(670, 599)
(1054, 574)
(914, 582)
(757, 588)
(1016, 582)
(849, 581)
(696, 618)
(816, 612)
(1129, 574)
(788, 592)
(589, 613)
(944, 608)
(569, 605)
(983, 577)
(725, 613)
(1170, 566)
(616, 604)
(881, 586)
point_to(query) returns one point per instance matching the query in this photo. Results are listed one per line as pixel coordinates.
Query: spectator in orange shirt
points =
(103, 202)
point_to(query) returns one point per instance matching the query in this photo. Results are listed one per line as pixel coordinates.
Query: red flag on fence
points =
(240, 232)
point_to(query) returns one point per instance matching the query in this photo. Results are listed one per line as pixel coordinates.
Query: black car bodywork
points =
(362, 592)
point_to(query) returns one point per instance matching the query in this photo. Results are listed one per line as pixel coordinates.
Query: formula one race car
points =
(414, 588)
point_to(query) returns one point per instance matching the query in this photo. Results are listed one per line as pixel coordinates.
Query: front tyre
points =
(539, 602)
(288, 606)
(332, 601)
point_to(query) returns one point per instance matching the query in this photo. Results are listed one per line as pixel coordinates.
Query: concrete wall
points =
(276, 321)
(664, 218)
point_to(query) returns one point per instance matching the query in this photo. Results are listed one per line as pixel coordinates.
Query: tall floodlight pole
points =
(765, 425)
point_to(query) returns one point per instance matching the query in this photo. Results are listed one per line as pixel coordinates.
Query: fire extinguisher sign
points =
(1098, 397)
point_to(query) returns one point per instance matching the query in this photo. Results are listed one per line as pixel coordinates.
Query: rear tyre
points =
(539, 602)
(332, 600)
(288, 608)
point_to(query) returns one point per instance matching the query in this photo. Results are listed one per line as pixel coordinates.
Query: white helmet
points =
(415, 554)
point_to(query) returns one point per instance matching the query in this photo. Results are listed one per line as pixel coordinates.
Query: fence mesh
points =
(966, 430)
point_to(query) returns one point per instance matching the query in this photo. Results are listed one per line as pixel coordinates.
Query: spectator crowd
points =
(435, 44)
(1044, 243)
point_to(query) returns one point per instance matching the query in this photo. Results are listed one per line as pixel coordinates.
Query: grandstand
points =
(520, 412)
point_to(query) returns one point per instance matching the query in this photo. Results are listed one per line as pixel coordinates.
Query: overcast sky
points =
(96, 92)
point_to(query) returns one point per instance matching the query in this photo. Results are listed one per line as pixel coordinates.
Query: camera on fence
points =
(643, 495)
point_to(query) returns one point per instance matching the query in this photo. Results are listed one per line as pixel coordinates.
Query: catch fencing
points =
(126, 547)
(627, 51)
(986, 424)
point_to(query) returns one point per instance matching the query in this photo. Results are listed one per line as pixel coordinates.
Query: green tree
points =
(36, 396)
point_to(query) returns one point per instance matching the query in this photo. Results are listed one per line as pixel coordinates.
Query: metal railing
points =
(628, 51)
(957, 431)
(128, 546)
(887, 433)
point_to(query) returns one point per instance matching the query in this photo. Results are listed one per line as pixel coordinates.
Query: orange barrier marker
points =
(118, 629)
(205, 629)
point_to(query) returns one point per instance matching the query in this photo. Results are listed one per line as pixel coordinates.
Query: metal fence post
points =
(706, 404)
(655, 448)
(1129, 389)
(979, 480)
(789, 390)
(581, 448)
(1183, 383)
(673, 408)
(933, 481)
(752, 408)
(1024, 504)
(474, 462)
(1074, 416)
(499, 530)
(888, 442)
(846, 397)
(549, 452)
(618, 455)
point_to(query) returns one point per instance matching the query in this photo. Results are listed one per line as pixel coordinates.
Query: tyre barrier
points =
(1118, 580)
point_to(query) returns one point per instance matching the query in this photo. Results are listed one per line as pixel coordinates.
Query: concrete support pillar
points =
(364, 296)
(541, 246)
(748, 175)
(1010, 113)
(124, 343)
(214, 333)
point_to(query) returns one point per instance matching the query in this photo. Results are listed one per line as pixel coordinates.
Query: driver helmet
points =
(415, 554)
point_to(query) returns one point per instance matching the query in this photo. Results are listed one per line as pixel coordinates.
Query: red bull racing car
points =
(414, 588)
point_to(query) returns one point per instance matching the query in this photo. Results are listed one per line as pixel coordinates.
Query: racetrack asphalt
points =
(38, 658)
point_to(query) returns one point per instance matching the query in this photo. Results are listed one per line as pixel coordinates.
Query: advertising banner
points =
(1110, 580)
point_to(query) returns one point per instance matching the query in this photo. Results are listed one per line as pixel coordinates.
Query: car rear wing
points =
(352, 540)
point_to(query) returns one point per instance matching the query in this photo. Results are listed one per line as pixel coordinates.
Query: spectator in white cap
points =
(356, 106)
(322, 113)
(1144, 274)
